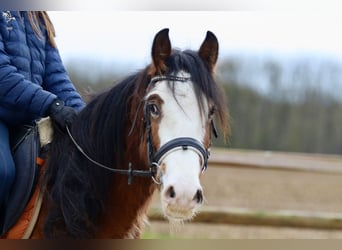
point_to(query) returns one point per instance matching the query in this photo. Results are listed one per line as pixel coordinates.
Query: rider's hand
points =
(62, 115)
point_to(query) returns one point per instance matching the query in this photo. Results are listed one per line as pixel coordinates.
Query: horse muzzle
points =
(181, 203)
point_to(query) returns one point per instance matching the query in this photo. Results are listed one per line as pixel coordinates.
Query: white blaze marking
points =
(181, 117)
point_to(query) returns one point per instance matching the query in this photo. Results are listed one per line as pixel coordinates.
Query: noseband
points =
(156, 157)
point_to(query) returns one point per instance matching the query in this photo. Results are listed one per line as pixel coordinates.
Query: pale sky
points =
(126, 36)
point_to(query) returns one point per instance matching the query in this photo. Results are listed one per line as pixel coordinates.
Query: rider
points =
(33, 82)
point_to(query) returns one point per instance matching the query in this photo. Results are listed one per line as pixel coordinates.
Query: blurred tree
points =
(287, 105)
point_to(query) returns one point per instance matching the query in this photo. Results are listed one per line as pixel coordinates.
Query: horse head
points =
(180, 103)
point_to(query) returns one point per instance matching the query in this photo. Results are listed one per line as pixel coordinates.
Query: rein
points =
(130, 172)
(155, 157)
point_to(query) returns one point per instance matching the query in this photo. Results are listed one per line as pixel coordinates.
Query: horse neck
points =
(125, 214)
(128, 204)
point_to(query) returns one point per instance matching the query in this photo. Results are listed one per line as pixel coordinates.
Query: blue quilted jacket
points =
(31, 72)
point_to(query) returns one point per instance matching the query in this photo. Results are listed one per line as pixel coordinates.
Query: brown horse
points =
(150, 131)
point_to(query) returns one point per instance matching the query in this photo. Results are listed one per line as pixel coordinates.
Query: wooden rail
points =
(299, 219)
(276, 160)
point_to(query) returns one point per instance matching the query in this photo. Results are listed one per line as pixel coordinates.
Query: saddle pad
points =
(45, 131)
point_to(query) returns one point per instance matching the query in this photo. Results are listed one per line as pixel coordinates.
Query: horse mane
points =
(76, 190)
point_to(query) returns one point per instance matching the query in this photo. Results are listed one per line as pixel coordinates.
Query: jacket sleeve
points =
(57, 81)
(18, 93)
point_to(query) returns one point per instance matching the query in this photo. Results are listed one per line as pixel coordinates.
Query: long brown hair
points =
(34, 19)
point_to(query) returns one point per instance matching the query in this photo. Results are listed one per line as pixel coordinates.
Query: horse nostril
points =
(171, 192)
(199, 196)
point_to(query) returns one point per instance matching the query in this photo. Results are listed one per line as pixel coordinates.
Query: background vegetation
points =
(276, 103)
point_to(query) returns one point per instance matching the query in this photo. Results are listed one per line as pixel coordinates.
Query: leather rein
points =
(155, 157)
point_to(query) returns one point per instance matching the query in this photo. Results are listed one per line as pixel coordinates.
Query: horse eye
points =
(154, 110)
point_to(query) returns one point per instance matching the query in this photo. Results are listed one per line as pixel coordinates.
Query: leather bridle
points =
(156, 157)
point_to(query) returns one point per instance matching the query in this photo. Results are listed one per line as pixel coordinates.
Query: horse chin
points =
(178, 214)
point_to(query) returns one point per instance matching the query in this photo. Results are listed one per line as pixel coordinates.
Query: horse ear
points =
(209, 50)
(161, 50)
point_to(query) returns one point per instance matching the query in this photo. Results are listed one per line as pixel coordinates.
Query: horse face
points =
(176, 111)
(176, 114)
